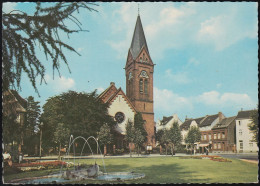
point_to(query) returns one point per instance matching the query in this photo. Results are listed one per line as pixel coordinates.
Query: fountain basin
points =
(57, 178)
(118, 176)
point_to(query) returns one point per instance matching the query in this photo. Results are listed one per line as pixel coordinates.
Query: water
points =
(117, 176)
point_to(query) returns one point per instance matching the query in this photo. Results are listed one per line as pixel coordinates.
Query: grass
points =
(171, 170)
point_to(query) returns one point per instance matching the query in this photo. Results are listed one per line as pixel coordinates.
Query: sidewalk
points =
(133, 156)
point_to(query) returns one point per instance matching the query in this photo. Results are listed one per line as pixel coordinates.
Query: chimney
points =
(112, 83)
(220, 116)
(186, 118)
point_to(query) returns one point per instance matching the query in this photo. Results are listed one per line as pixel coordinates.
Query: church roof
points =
(138, 40)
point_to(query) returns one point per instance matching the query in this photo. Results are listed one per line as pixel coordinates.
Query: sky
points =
(206, 55)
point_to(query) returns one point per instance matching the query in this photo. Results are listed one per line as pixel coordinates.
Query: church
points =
(123, 106)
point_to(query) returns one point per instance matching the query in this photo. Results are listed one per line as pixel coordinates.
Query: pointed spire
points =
(138, 40)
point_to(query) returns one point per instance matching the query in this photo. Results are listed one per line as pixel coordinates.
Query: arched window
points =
(146, 86)
(141, 85)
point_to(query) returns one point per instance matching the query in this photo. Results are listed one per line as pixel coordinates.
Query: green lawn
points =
(173, 170)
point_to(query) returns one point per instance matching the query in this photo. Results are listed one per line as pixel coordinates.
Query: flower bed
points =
(45, 164)
(220, 159)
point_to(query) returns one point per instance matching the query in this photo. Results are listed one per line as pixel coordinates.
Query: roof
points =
(22, 101)
(165, 120)
(186, 124)
(199, 120)
(127, 100)
(138, 40)
(208, 120)
(108, 93)
(244, 114)
(224, 122)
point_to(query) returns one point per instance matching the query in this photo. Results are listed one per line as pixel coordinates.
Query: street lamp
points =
(41, 124)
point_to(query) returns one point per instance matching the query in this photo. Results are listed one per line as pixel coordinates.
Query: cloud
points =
(179, 77)
(175, 26)
(100, 90)
(234, 100)
(60, 84)
(167, 102)
(8, 6)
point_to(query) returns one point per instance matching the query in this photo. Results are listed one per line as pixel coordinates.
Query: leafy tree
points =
(104, 135)
(22, 33)
(138, 140)
(61, 135)
(139, 124)
(31, 125)
(129, 136)
(253, 126)
(165, 139)
(175, 136)
(193, 136)
(82, 113)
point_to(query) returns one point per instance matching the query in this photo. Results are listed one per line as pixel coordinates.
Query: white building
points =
(167, 122)
(244, 137)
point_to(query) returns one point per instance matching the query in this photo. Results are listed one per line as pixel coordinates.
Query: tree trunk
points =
(59, 149)
(130, 149)
(166, 149)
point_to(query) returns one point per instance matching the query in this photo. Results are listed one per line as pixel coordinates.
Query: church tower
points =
(139, 70)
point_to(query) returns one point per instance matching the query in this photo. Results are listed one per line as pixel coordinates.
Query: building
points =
(224, 135)
(167, 122)
(206, 125)
(185, 126)
(244, 142)
(14, 104)
(121, 109)
(139, 70)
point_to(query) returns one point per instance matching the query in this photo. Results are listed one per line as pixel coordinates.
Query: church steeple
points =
(138, 41)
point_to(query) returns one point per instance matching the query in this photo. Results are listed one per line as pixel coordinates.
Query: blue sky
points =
(206, 55)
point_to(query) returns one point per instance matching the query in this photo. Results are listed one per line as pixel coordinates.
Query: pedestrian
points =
(7, 158)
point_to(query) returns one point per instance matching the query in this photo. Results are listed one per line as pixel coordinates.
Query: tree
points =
(129, 136)
(193, 136)
(21, 33)
(31, 125)
(138, 139)
(175, 136)
(139, 124)
(165, 139)
(82, 113)
(253, 126)
(104, 135)
(61, 135)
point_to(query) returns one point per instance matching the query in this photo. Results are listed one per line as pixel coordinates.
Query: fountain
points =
(92, 172)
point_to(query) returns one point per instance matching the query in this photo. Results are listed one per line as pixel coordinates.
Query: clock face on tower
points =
(120, 117)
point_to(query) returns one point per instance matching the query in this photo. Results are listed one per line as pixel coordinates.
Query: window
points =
(239, 123)
(145, 86)
(209, 136)
(215, 146)
(223, 134)
(215, 136)
(250, 144)
(241, 144)
(218, 135)
(240, 132)
(141, 85)
(143, 55)
(219, 146)
(205, 137)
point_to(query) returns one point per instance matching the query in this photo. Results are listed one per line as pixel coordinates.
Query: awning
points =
(204, 145)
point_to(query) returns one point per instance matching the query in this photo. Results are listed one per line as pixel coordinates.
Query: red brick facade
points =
(139, 89)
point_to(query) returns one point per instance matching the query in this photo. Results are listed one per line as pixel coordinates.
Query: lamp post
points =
(41, 124)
